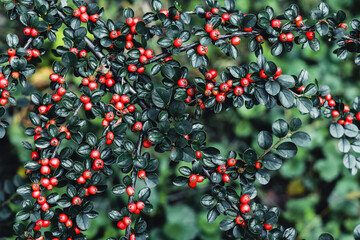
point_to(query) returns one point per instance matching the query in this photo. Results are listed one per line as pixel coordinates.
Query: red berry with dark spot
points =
(215, 34)
(276, 23)
(245, 199)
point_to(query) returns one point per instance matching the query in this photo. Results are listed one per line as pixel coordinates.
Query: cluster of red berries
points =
(83, 53)
(31, 31)
(122, 224)
(84, 17)
(145, 55)
(136, 207)
(63, 218)
(147, 143)
(348, 118)
(194, 179)
(276, 75)
(4, 84)
(286, 37)
(98, 163)
(41, 223)
(132, 68)
(166, 13)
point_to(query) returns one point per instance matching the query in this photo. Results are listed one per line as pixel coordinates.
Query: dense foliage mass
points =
(138, 113)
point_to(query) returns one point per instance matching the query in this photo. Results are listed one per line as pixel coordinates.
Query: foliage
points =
(137, 112)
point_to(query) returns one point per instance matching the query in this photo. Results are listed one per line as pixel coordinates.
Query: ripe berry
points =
(87, 174)
(138, 126)
(209, 27)
(132, 68)
(283, 37)
(192, 184)
(27, 31)
(94, 17)
(276, 23)
(224, 87)
(121, 225)
(76, 201)
(149, 53)
(221, 169)
(215, 34)
(88, 106)
(262, 74)
(231, 162)
(109, 116)
(54, 162)
(127, 221)
(310, 35)
(258, 165)
(82, 9)
(198, 154)
(81, 180)
(76, 13)
(45, 207)
(245, 208)
(278, 71)
(82, 53)
(260, 39)
(93, 190)
(132, 207)
(124, 99)
(36, 194)
(63, 217)
(143, 59)
(193, 178)
(335, 113)
(113, 34)
(98, 164)
(34, 33)
(248, 29)
(147, 143)
(142, 174)
(130, 191)
(331, 103)
(202, 50)
(140, 205)
(54, 142)
(182, 82)
(178, 42)
(226, 178)
(235, 40)
(165, 12)
(11, 52)
(328, 97)
(45, 170)
(200, 178)
(41, 200)
(358, 116)
(298, 18)
(245, 199)
(220, 98)
(267, 227)
(68, 223)
(84, 17)
(208, 15)
(289, 37)
(346, 108)
(238, 91)
(239, 220)
(53, 181)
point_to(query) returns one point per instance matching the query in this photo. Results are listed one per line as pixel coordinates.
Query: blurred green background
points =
(313, 190)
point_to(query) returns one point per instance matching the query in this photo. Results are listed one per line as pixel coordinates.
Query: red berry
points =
(278, 71)
(245, 208)
(276, 23)
(36, 194)
(192, 184)
(226, 178)
(81, 180)
(147, 143)
(346, 108)
(76, 13)
(262, 74)
(331, 103)
(11, 52)
(34, 33)
(200, 178)
(138, 126)
(132, 68)
(238, 91)
(193, 178)
(283, 37)
(358, 116)
(54, 142)
(165, 12)
(231, 162)
(82, 9)
(335, 113)
(84, 17)
(142, 174)
(220, 98)
(63, 217)
(235, 40)
(182, 82)
(88, 106)
(208, 15)
(41, 200)
(178, 42)
(27, 31)
(53, 181)
(121, 225)
(140, 205)
(215, 34)
(310, 35)
(82, 53)
(54, 162)
(93, 190)
(209, 27)
(149, 53)
(132, 207)
(94, 17)
(68, 223)
(130, 191)
(198, 154)
(245, 199)
(127, 221)
(202, 50)
(221, 169)
(45, 170)
(289, 37)
(215, 10)
(45, 207)
(113, 34)
(239, 220)
(258, 165)
(76, 201)
(267, 227)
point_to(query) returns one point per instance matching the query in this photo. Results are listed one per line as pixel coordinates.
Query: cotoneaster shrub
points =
(117, 87)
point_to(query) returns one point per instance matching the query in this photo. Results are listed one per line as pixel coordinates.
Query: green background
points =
(313, 190)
